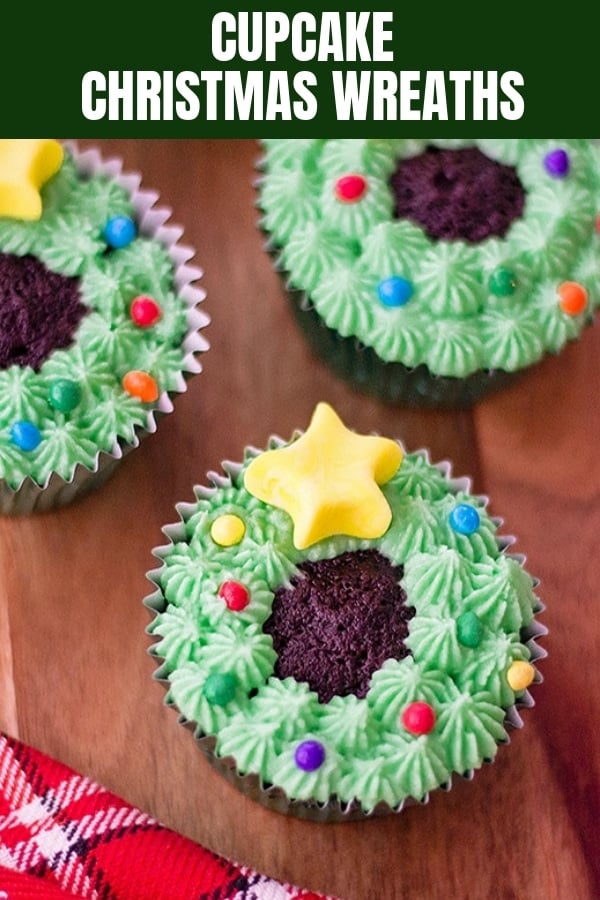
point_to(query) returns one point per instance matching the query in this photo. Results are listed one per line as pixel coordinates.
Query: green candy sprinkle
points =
(469, 630)
(502, 283)
(64, 395)
(220, 688)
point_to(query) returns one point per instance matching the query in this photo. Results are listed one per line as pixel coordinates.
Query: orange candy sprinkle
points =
(141, 385)
(573, 298)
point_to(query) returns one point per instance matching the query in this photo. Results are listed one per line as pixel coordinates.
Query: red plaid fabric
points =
(63, 835)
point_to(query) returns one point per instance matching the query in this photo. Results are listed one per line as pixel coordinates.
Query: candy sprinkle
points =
(469, 629)
(309, 755)
(573, 298)
(145, 311)
(502, 282)
(235, 595)
(119, 232)
(350, 188)
(64, 395)
(418, 717)
(520, 675)
(25, 435)
(227, 530)
(557, 163)
(141, 385)
(219, 688)
(464, 518)
(395, 291)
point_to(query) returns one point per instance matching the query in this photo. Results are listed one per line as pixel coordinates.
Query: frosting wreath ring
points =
(93, 397)
(462, 307)
(471, 644)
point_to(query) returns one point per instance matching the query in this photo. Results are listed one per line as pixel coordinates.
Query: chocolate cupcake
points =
(99, 320)
(341, 625)
(430, 273)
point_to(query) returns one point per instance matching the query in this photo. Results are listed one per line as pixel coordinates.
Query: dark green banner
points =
(425, 70)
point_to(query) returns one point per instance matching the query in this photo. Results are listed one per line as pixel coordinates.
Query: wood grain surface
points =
(75, 675)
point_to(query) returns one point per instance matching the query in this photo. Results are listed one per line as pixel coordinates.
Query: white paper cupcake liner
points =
(153, 222)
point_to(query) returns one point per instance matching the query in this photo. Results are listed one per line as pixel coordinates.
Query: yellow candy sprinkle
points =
(25, 166)
(520, 675)
(227, 530)
(328, 480)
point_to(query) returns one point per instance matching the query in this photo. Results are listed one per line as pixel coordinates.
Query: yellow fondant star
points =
(328, 480)
(25, 166)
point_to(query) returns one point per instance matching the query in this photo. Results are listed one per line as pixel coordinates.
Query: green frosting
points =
(337, 253)
(470, 727)
(458, 669)
(69, 240)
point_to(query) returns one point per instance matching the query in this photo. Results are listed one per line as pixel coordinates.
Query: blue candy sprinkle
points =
(464, 518)
(395, 291)
(25, 435)
(119, 232)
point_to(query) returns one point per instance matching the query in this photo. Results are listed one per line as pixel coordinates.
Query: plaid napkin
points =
(62, 835)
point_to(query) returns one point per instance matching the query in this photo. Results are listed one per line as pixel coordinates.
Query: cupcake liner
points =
(30, 497)
(251, 785)
(152, 222)
(390, 382)
(360, 366)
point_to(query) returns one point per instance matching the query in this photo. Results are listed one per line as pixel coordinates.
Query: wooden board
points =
(75, 677)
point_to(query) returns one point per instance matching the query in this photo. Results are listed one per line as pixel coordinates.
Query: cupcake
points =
(99, 325)
(341, 625)
(431, 273)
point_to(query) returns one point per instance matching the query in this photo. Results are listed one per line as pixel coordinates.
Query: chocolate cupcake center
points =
(339, 621)
(457, 194)
(39, 311)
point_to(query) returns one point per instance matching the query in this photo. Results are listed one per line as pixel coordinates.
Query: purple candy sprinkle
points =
(309, 755)
(557, 163)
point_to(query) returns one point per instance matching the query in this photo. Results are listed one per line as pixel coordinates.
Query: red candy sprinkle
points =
(235, 595)
(350, 188)
(418, 718)
(145, 311)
